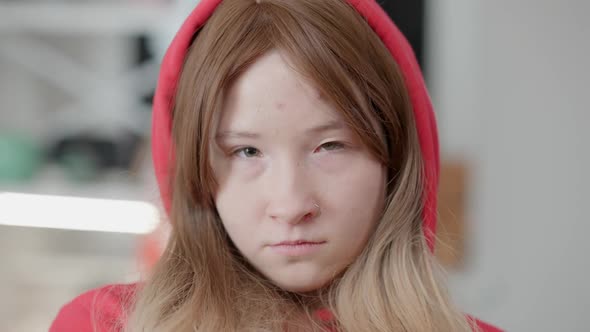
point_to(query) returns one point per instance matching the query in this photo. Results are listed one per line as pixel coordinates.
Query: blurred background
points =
(79, 206)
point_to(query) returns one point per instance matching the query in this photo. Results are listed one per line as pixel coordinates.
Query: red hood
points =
(390, 35)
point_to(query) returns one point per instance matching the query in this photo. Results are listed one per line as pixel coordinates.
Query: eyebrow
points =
(328, 126)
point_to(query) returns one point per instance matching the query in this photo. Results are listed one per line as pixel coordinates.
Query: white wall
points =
(510, 80)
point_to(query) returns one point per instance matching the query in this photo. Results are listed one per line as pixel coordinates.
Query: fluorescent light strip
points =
(76, 213)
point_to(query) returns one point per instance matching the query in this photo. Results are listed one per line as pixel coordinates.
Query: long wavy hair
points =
(202, 283)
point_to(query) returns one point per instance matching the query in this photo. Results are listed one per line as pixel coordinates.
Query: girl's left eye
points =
(331, 146)
(247, 152)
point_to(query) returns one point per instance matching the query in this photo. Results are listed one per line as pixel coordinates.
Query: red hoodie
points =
(101, 309)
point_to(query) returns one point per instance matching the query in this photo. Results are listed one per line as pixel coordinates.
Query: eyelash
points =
(338, 145)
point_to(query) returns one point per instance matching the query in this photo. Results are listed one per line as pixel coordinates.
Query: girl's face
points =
(298, 193)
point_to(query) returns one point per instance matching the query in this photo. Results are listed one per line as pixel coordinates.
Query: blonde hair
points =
(202, 283)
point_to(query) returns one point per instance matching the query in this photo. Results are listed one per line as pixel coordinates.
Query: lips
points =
(297, 242)
(297, 247)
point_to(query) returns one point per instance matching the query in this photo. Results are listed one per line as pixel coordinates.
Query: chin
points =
(299, 286)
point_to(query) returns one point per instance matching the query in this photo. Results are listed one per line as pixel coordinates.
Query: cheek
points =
(359, 198)
(235, 207)
(357, 183)
(238, 209)
(235, 223)
(235, 179)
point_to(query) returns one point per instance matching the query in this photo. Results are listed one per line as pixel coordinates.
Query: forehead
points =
(272, 93)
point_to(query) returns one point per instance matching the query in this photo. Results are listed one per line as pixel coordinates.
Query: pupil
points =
(250, 151)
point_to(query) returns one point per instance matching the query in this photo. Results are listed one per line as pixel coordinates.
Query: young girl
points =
(297, 156)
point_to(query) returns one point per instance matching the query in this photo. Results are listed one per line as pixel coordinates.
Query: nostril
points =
(315, 213)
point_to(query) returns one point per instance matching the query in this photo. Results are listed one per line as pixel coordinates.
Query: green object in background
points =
(80, 163)
(20, 158)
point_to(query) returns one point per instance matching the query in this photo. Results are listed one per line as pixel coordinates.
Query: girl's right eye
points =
(247, 152)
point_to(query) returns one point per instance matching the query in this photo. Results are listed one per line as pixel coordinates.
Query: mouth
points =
(297, 247)
(296, 243)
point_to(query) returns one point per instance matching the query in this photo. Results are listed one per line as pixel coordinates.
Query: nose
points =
(291, 196)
